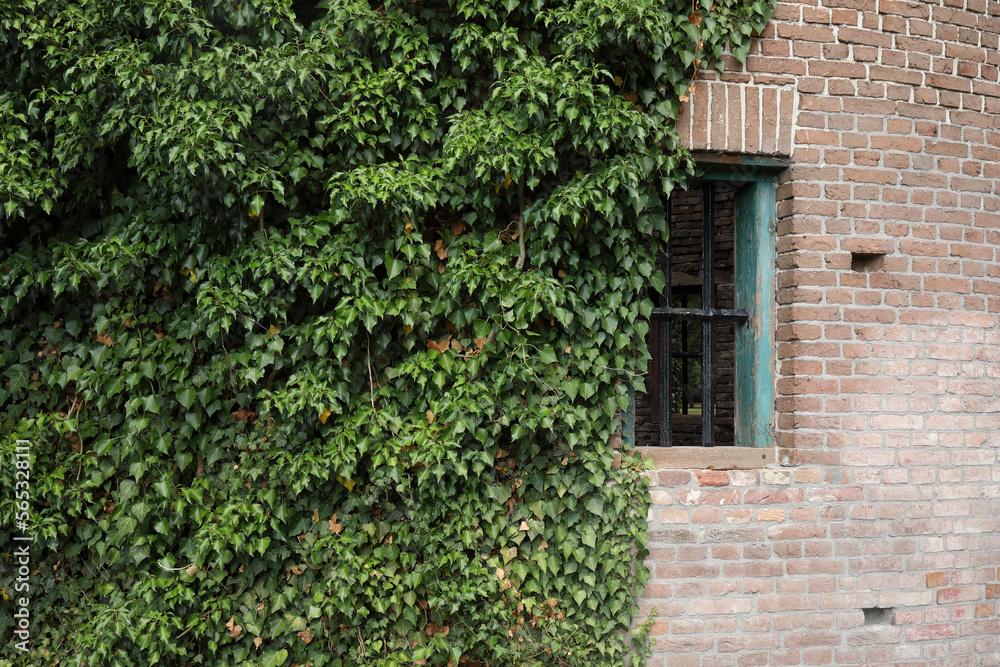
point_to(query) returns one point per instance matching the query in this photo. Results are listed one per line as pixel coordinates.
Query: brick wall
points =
(875, 541)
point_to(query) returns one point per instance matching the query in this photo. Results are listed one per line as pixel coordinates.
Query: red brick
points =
(950, 595)
(712, 477)
(708, 497)
(924, 632)
(935, 579)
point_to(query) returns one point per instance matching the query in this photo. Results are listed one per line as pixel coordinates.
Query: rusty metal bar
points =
(708, 305)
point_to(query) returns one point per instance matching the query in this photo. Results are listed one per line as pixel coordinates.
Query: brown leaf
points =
(408, 228)
(335, 527)
(159, 335)
(430, 417)
(543, 545)
(257, 641)
(305, 636)
(295, 569)
(695, 18)
(432, 629)
(481, 342)
(234, 630)
(523, 526)
(457, 346)
(440, 250)
(440, 345)
(162, 292)
(457, 227)
(242, 415)
(102, 338)
(191, 570)
(631, 97)
(499, 573)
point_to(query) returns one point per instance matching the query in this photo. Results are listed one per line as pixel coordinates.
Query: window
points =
(711, 381)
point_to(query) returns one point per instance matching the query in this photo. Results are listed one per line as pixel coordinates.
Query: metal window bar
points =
(665, 347)
(707, 325)
(707, 314)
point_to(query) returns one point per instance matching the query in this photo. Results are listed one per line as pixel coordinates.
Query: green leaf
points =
(274, 658)
(187, 396)
(595, 505)
(18, 377)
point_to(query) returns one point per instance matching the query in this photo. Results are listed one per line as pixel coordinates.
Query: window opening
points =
(690, 398)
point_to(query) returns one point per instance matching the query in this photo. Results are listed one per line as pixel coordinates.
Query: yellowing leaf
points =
(619, 81)
(409, 227)
(324, 415)
(408, 329)
(273, 330)
(348, 484)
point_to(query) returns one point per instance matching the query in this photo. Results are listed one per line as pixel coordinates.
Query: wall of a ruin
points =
(886, 490)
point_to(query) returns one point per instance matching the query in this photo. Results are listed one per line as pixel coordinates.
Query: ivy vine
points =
(319, 318)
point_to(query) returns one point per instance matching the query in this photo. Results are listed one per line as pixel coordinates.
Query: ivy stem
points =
(520, 223)
(371, 381)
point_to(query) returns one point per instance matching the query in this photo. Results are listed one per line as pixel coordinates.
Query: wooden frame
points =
(755, 273)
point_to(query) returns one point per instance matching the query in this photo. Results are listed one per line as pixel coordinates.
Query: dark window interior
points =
(686, 335)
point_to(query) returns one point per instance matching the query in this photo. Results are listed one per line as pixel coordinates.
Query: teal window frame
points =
(755, 277)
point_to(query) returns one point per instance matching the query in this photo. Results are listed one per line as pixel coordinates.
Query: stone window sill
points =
(709, 458)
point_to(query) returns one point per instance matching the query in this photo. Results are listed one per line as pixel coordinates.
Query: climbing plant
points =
(318, 318)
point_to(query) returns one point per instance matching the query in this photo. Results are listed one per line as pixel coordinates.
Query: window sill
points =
(709, 458)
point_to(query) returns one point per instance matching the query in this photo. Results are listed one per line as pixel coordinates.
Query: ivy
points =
(319, 318)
